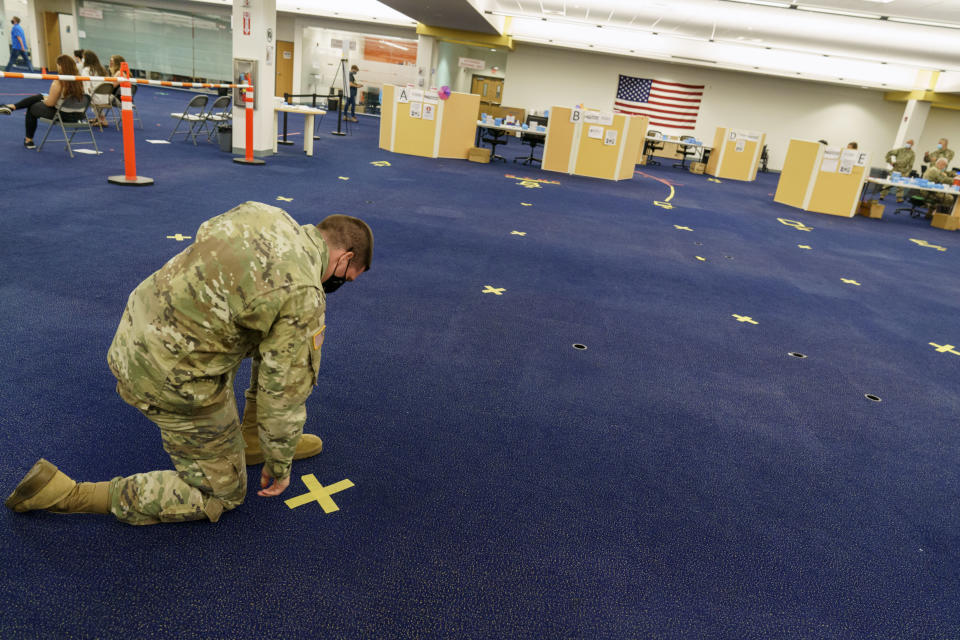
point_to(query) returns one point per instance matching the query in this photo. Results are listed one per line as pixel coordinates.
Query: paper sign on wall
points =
(606, 119)
(847, 160)
(741, 144)
(831, 158)
(428, 110)
(732, 135)
(416, 109)
(403, 95)
(416, 95)
(610, 137)
(576, 115)
(862, 160)
(431, 96)
(595, 131)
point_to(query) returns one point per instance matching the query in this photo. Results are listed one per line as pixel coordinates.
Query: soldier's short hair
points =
(350, 234)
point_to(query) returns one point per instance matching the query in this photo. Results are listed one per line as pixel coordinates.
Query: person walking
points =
(18, 46)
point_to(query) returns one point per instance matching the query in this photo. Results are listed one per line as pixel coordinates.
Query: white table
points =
(950, 190)
(511, 128)
(681, 143)
(308, 112)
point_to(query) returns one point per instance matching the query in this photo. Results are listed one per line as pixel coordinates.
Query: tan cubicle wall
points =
(449, 134)
(569, 148)
(735, 154)
(821, 179)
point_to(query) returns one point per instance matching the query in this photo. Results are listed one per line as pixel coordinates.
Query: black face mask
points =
(334, 282)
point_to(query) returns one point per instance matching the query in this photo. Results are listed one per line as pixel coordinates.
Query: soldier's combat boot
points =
(309, 445)
(46, 487)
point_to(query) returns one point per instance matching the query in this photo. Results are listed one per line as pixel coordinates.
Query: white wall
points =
(540, 77)
(450, 73)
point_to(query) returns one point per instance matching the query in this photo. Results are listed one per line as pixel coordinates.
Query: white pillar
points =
(254, 38)
(911, 126)
(426, 61)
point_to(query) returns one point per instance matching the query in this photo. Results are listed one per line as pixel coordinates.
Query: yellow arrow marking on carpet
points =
(945, 348)
(527, 204)
(677, 226)
(318, 493)
(518, 233)
(701, 259)
(850, 281)
(804, 246)
(490, 289)
(282, 199)
(713, 180)
(344, 178)
(380, 163)
(178, 238)
(745, 319)
(799, 226)
(924, 243)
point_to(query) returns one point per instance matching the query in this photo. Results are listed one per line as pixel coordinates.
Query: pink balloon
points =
(444, 92)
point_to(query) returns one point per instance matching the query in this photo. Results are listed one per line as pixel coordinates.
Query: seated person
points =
(38, 106)
(114, 70)
(92, 67)
(852, 145)
(938, 174)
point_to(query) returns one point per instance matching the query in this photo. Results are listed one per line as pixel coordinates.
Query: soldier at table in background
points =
(938, 174)
(902, 160)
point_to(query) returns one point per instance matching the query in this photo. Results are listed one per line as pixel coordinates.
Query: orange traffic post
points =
(130, 176)
(248, 99)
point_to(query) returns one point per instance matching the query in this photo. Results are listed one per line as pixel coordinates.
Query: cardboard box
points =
(697, 167)
(479, 154)
(871, 209)
(945, 221)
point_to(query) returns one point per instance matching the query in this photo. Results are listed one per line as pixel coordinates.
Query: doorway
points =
(51, 39)
(489, 89)
(284, 79)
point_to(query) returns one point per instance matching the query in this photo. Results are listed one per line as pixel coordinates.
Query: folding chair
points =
(218, 113)
(193, 114)
(70, 106)
(116, 104)
(102, 109)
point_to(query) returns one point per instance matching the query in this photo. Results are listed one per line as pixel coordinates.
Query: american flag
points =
(667, 104)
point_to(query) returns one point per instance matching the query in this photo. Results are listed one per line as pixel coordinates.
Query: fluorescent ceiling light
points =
(838, 12)
(764, 3)
(925, 23)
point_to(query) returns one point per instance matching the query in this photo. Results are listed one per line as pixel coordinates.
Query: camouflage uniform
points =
(903, 159)
(941, 200)
(249, 286)
(936, 154)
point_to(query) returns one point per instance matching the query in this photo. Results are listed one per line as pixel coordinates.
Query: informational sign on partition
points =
(831, 159)
(611, 137)
(595, 131)
(847, 159)
(416, 109)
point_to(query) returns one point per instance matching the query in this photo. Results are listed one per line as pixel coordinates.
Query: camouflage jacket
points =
(903, 159)
(249, 285)
(935, 175)
(936, 154)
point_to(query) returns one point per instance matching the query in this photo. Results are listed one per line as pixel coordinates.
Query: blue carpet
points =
(682, 477)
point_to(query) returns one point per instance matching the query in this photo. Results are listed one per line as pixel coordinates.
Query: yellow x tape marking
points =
(701, 259)
(799, 226)
(284, 199)
(676, 226)
(745, 319)
(924, 243)
(490, 289)
(179, 238)
(713, 180)
(518, 233)
(945, 348)
(665, 205)
(318, 493)
(804, 246)
(527, 204)
(344, 178)
(530, 184)
(380, 163)
(850, 281)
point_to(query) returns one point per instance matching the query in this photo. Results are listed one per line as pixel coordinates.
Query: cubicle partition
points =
(590, 143)
(419, 123)
(736, 154)
(822, 179)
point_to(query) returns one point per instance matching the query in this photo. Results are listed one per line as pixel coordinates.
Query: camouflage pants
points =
(206, 448)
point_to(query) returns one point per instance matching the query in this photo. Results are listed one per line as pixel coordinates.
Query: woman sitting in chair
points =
(38, 106)
(99, 101)
(114, 70)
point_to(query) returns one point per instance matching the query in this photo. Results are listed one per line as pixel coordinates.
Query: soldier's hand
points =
(267, 490)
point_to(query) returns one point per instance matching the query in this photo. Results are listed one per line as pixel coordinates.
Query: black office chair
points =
(917, 204)
(532, 140)
(685, 152)
(495, 137)
(371, 102)
(764, 158)
(649, 146)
